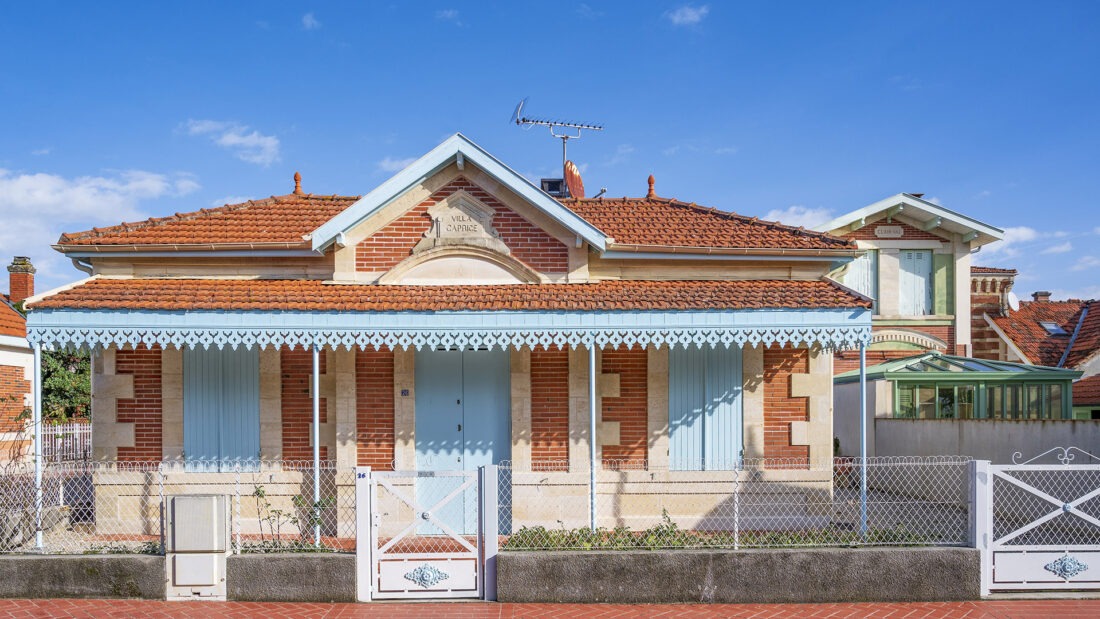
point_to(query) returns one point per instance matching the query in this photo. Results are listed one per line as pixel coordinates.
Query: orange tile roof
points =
(314, 295)
(991, 271)
(11, 322)
(661, 221)
(630, 221)
(1086, 392)
(1023, 328)
(278, 219)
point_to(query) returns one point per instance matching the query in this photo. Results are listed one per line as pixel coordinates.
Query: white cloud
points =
(39, 152)
(1086, 262)
(229, 200)
(1009, 247)
(1058, 249)
(450, 15)
(1096, 230)
(46, 205)
(798, 215)
(310, 22)
(1088, 292)
(392, 164)
(687, 15)
(726, 150)
(250, 146)
(622, 153)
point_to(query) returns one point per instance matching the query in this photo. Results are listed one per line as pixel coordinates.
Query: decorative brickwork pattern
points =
(529, 244)
(297, 373)
(549, 407)
(13, 392)
(988, 295)
(846, 360)
(629, 408)
(909, 233)
(780, 408)
(374, 409)
(144, 409)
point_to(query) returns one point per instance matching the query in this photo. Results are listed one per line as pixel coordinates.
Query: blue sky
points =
(798, 111)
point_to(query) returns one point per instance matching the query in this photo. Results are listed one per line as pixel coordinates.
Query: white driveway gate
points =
(426, 534)
(1039, 527)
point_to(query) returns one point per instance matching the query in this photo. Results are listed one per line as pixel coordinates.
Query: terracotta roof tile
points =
(1087, 343)
(1086, 391)
(991, 271)
(630, 221)
(278, 219)
(1024, 328)
(11, 322)
(314, 295)
(661, 221)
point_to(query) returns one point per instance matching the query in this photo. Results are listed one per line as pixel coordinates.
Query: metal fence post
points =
(737, 509)
(364, 574)
(981, 517)
(237, 508)
(489, 514)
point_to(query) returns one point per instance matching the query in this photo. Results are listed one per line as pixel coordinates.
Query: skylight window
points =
(1053, 328)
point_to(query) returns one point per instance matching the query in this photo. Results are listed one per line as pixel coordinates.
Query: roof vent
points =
(651, 193)
(297, 183)
(555, 187)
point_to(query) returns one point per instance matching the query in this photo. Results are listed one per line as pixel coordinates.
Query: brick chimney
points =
(1041, 296)
(989, 291)
(20, 279)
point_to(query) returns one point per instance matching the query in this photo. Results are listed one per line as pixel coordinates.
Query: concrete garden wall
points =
(746, 576)
(82, 576)
(291, 577)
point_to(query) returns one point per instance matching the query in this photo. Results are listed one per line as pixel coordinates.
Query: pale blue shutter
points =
(221, 407)
(915, 282)
(705, 417)
(862, 275)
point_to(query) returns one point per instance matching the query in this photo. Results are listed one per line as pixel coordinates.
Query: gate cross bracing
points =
(426, 534)
(1040, 525)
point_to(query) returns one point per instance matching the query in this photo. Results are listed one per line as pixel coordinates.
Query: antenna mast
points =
(563, 130)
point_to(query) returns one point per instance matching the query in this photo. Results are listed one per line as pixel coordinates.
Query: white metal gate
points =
(1041, 525)
(426, 534)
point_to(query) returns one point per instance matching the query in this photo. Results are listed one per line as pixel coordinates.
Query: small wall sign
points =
(889, 232)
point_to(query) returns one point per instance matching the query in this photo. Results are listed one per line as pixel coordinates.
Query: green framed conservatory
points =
(938, 386)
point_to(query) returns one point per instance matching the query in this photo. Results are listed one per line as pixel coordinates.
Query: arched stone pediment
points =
(460, 264)
(880, 339)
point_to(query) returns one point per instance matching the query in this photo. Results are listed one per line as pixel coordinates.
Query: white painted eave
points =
(452, 150)
(921, 210)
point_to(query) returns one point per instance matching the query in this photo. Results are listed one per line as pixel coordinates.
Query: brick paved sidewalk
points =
(1002, 609)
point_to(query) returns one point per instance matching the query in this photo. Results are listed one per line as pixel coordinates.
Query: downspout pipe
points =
(316, 511)
(592, 435)
(863, 440)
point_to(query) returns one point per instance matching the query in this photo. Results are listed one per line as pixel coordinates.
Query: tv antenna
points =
(560, 129)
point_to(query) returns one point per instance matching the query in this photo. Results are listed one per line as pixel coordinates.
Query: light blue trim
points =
(836, 329)
(435, 160)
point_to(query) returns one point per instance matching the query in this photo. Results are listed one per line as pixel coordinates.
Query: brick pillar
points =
(21, 278)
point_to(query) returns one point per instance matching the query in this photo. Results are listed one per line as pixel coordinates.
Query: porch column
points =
(863, 439)
(37, 429)
(592, 436)
(316, 443)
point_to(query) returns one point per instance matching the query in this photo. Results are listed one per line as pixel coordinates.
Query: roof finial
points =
(652, 193)
(297, 183)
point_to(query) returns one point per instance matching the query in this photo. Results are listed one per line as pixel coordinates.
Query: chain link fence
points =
(117, 507)
(759, 504)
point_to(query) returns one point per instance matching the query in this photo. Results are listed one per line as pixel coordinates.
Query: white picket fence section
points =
(67, 442)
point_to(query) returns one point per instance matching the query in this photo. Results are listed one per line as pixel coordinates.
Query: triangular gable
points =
(459, 150)
(929, 214)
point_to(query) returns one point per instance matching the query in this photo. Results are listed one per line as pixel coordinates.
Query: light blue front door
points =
(463, 421)
(221, 407)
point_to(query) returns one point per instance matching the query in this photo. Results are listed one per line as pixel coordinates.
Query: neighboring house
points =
(916, 265)
(453, 310)
(16, 363)
(1064, 334)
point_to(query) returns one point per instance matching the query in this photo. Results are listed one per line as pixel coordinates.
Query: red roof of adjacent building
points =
(666, 222)
(315, 295)
(630, 221)
(992, 271)
(1024, 328)
(1086, 392)
(11, 322)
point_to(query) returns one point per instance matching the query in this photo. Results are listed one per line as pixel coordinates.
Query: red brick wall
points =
(374, 408)
(144, 409)
(297, 373)
(549, 408)
(629, 409)
(528, 243)
(909, 233)
(988, 295)
(13, 391)
(780, 409)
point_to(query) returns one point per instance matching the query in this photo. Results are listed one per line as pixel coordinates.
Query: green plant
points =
(122, 548)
